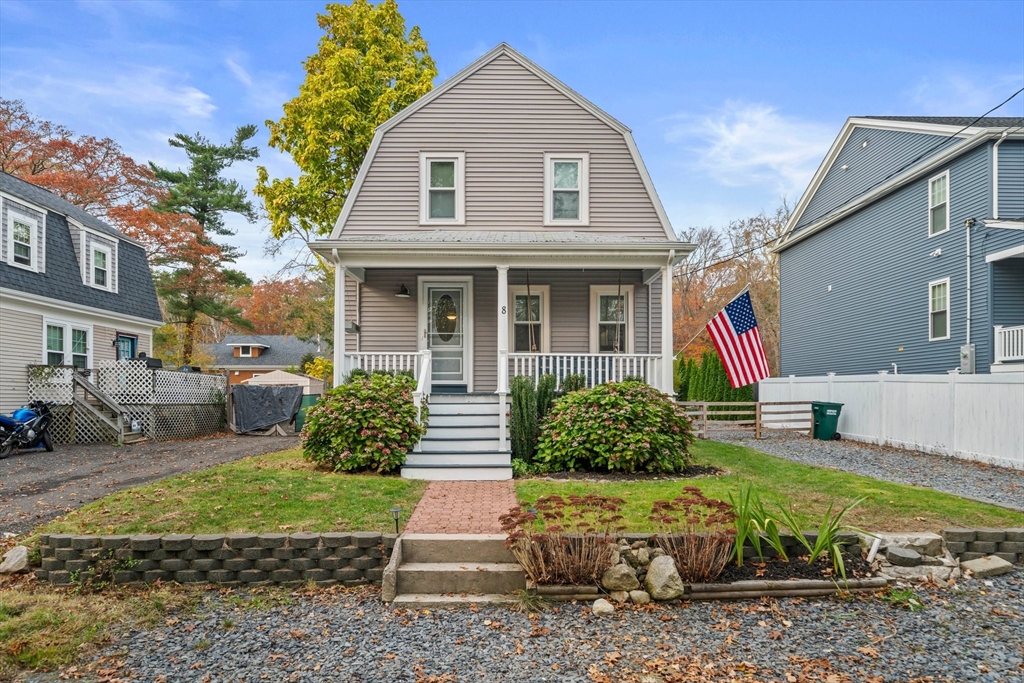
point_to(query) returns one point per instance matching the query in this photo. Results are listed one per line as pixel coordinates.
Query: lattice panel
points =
(52, 383)
(63, 426)
(187, 387)
(125, 381)
(90, 429)
(186, 422)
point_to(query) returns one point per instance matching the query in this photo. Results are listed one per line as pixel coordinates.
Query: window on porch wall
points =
(527, 325)
(611, 324)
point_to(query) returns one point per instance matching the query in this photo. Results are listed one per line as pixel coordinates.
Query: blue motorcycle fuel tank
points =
(24, 415)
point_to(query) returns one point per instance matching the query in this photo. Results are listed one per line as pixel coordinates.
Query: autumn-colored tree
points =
(287, 306)
(96, 175)
(366, 69)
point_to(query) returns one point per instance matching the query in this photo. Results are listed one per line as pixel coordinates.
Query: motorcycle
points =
(27, 427)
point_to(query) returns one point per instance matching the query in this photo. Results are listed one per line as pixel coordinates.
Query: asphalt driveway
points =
(36, 486)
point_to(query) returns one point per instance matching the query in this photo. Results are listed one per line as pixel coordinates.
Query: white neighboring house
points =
(73, 290)
(501, 225)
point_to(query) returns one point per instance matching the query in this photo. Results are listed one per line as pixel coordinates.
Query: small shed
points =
(311, 386)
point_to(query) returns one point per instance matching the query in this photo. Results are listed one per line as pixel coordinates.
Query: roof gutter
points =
(889, 187)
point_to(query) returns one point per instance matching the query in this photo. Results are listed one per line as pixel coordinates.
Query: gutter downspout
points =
(968, 224)
(995, 174)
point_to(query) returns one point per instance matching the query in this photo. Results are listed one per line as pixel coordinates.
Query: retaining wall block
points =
(363, 562)
(284, 575)
(991, 535)
(151, 575)
(84, 542)
(268, 564)
(956, 547)
(304, 540)
(173, 564)
(205, 564)
(272, 540)
(389, 541)
(252, 576)
(1015, 535)
(176, 542)
(208, 542)
(61, 578)
(126, 576)
(223, 554)
(332, 563)
(375, 574)
(984, 547)
(240, 541)
(348, 552)
(238, 564)
(347, 574)
(189, 576)
(255, 553)
(968, 556)
(158, 555)
(301, 564)
(220, 576)
(145, 542)
(1011, 547)
(316, 575)
(283, 553)
(366, 539)
(336, 539)
(66, 554)
(191, 554)
(959, 535)
(317, 553)
(114, 542)
(60, 540)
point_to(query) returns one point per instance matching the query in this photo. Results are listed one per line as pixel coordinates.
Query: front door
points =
(126, 346)
(447, 332)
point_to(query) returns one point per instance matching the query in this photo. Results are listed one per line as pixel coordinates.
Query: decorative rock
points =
(619, 578)
(615, 556)
(643, 556)
(639, 597)
(603, 607)
(15, 560)
(985, 567)
(619, 596)
(903, 557)
(663, 582)
(657, 552)
(923, 543)
(638, 544)
(921, 573)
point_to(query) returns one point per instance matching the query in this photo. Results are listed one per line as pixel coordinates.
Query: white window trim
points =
(13, 214)
(627, 291)
(949, 297)
(109, 287)
(242, 353)
(549, 159)
(948, 202)
(69, 325)
(544, 291)
(460, 187)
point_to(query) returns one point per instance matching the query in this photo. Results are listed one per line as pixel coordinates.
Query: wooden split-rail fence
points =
(759, 416)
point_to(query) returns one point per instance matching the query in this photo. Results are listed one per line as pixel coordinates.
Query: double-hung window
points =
(21, 245)
(611, 319)
(531, 331)
(67, 344)
(442, 188)
(938, 310)
(938, 204)
(566, 189)
(100, 267)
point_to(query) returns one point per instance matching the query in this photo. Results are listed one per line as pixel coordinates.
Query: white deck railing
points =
(386, 362)
(598, 368)
(1009, 343)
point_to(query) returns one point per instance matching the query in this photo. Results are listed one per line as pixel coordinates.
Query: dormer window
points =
(245, 351)
(567, 189)
(21, 247)
(100, 267)
(442, 188)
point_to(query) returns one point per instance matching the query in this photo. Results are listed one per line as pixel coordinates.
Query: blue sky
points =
(732, 105)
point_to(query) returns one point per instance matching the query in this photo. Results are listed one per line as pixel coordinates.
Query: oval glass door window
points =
(446, 317)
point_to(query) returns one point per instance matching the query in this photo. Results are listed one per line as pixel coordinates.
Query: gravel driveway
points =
(36, 486)
(970, 634)
(987, 483)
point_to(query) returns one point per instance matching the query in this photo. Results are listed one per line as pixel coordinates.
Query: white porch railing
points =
(1009, 343)
(422, 393)
(598, 368)
(386, 362)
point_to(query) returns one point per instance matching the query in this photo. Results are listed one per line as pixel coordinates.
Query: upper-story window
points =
(245, 351)
(99, 272)
(442, 188)
(21, 247)
(938, 204)
(566, 189)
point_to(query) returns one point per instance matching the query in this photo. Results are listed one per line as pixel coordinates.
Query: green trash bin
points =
(307, 401)
(825, 417)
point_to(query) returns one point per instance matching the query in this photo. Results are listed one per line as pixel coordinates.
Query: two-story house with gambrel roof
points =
(73, 290)
(906, 252)
(501, 225)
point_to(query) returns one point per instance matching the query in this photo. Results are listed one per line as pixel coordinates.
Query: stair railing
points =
(88, 388)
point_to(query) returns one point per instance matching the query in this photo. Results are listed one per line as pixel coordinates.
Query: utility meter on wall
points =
(967, 359)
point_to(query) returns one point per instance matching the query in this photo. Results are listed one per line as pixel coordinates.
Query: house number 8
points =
(503, 311)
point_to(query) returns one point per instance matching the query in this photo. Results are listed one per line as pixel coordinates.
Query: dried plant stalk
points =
(697, 532)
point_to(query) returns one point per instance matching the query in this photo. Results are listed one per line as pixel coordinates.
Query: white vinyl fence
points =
(978, 417)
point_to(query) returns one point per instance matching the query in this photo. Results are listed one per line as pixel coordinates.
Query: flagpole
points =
(705, 326)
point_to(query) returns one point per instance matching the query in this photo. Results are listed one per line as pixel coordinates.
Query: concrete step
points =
(458, 445)
(492, 458)
(430, 548)
(443, 420)
(481, 398)
(463, 432)
(459, 577)
(457, 472)
(434, 601)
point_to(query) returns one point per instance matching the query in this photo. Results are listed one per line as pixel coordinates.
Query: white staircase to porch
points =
(462, 441)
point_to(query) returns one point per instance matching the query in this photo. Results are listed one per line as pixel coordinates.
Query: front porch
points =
(1006, 277)
(465, 317)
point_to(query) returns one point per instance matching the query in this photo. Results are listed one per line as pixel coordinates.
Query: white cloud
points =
(745, 144)
(239, 72)
(955, 94)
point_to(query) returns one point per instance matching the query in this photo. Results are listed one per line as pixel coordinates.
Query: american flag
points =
(734, 332)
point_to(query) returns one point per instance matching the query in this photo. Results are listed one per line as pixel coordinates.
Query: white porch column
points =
(339, 323)
(667, 347)
(502, 356)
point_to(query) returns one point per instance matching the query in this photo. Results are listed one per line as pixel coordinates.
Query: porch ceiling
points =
(495, 247)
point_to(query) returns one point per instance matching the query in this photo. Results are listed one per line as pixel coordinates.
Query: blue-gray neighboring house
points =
(73, 290)
(906, 251)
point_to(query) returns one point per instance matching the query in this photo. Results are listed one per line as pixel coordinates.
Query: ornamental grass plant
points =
(564, 540)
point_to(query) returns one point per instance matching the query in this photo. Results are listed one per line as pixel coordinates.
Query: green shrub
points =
(524, 418)
(367, 424)
(628, 427)
(545, 395)
(357, 373)
(571, 383)
(634, 378)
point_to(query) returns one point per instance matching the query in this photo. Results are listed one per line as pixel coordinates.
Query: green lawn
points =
(268, 493)
(889, 507)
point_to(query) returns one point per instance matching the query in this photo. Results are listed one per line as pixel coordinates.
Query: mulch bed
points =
(691, 472)
(775, 569)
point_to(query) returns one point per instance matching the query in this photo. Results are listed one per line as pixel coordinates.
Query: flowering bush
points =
(366, 424)
(628, 427)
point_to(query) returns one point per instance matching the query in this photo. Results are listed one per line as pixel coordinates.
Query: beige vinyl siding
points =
(504, 118)
(21, 345)
(389, 323)
(103, 344)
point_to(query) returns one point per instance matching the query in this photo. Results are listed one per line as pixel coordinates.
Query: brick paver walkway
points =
(462, 507)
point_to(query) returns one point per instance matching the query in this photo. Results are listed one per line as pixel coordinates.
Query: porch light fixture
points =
(403, 293)
(396, 511)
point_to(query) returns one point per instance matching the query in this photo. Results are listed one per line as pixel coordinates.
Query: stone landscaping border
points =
(974, 544)
(331, 558)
